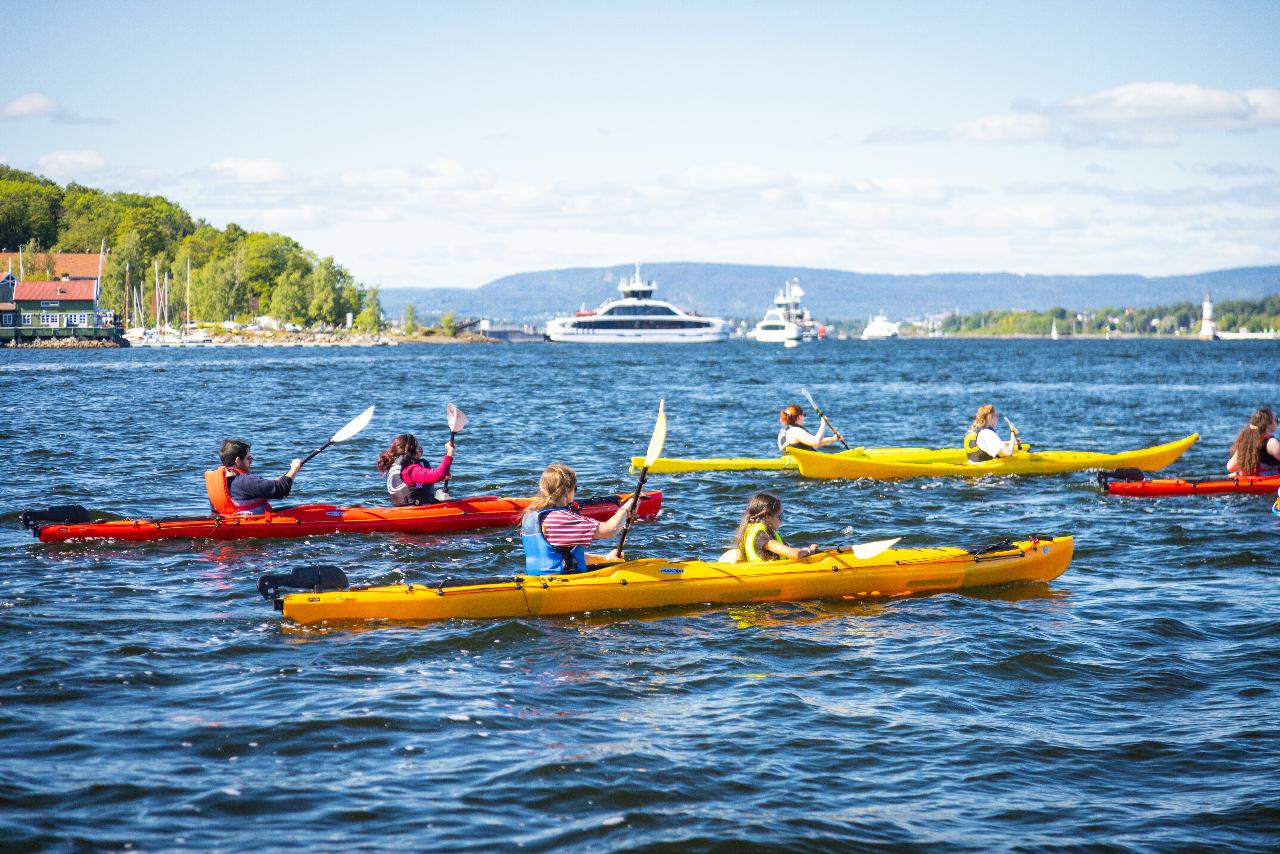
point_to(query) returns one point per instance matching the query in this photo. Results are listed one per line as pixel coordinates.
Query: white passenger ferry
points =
(637, 318)
(880, 328)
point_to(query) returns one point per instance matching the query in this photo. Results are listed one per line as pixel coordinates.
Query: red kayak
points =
(1160, 487)
(465, 514)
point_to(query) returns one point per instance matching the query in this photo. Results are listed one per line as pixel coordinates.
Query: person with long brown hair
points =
(982, 443)
(411, 479)
(757, 537)
(555, 535)
(1256, 449)
(793, 433)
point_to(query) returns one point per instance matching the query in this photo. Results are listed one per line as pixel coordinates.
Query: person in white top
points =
(794, 435)
(982, 443)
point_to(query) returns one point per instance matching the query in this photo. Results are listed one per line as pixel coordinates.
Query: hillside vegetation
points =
(1230, 315)
(235, 274)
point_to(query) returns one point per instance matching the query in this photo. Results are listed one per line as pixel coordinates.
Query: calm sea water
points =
(150, 700)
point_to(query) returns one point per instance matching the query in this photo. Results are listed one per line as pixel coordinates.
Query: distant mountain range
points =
(744, 292)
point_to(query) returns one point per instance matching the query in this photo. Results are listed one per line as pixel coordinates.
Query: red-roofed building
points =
(70, 265)
(63, 308)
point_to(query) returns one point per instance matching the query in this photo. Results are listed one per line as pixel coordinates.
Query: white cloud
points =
(30, 104)
(40, 104)
(248, 171)
(1129, 116)
(62, 165)
(725, 177)
(1176, 107)
(1004, 128)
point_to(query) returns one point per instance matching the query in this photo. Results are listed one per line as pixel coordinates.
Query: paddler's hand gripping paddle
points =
(457, 420)
(824, 417)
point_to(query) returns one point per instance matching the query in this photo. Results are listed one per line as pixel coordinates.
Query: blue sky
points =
(450, 143)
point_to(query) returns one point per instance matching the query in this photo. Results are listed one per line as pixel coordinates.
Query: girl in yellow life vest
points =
(757, 537)
(982, 443)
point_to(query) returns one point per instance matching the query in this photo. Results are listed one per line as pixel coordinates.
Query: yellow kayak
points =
(814, 464)
(656, 583)
(673, 465)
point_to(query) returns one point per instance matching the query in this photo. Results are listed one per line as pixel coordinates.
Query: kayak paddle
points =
(457, 420)
(862, 551)
(824, 417)
(353, 427)
(656, 441)
(1017, 441)
(866, 551)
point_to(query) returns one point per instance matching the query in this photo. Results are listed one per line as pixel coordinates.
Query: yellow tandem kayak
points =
(673, 465)
(655, 583)
(812, 464)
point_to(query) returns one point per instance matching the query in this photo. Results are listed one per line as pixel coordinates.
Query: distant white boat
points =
(880, 328)
(787, 321)
(1053, 330)
(1243, 334)
(637, 318)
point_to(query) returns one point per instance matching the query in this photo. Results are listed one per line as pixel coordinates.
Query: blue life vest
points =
(542, 558)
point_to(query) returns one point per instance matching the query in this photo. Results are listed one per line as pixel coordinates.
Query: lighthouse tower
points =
(1208, 329)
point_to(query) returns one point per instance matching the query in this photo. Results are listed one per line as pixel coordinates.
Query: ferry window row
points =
(640, 324)
(644, 310)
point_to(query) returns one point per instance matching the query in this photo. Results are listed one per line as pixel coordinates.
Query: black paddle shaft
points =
(635, 508)
(824, 417)
(309, 457)
(453, 435)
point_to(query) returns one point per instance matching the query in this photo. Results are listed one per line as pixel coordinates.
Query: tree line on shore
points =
(1257, 315)
(234, 274)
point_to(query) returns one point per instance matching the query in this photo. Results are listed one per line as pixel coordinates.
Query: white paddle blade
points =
(730, 556)
(809, 398)
(457, 418)
(659, 437)
(357, 424)
(866, 551)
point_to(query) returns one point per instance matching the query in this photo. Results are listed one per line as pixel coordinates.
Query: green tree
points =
(449, 324)
(325, 296)
(370, 318)
(28, 211)
(289, 300)
(217, 292)
(409, 322)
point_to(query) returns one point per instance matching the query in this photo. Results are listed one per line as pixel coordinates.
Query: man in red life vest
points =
(234, 491)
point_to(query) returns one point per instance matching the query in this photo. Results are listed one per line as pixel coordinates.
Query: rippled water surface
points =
(149, 698)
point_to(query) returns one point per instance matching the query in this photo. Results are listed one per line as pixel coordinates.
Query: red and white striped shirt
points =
(566, 528)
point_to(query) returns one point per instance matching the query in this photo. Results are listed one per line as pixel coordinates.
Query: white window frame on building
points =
(26, 319)
(7, 320)
(50, 319)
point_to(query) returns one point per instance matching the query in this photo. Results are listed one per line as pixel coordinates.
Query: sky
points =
(449, 144)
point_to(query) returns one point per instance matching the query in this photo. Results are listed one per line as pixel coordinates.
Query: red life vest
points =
(215, 483)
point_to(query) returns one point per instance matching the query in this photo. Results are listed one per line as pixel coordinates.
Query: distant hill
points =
(744, 292)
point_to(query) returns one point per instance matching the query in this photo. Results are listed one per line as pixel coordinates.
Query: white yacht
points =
(637, 318)
(787, 321)
(879, 328)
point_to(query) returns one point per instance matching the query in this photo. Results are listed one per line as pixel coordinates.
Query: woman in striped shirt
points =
(555, 535)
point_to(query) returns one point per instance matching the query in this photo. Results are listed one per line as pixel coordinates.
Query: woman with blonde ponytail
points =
(555, 535)
(1256, 449)
(982, 443)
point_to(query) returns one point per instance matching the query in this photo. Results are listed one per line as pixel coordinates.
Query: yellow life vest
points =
(971, 449)
(749, 543)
